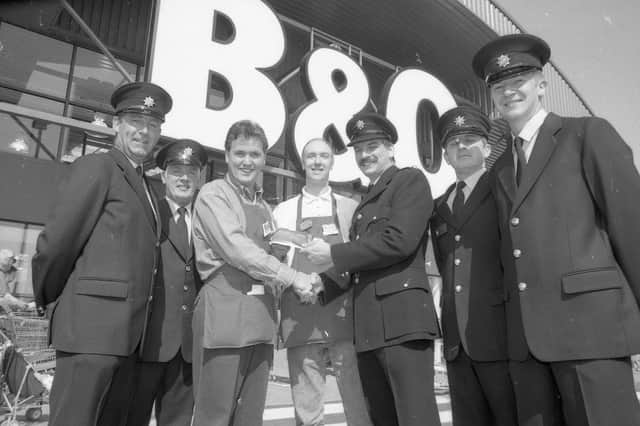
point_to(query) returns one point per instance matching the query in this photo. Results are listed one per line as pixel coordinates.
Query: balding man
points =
(315, 335)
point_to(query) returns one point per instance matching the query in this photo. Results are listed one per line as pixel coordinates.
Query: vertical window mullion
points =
(67, 100)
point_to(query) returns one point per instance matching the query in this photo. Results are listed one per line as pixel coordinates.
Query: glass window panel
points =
(217, 169)
(18, 138)
(292, 187)
(223, 29)
(21, 240)
(34, 62)
(78, 142)
(377, 75)
(218, 92)
(95, 78)
(272, 184)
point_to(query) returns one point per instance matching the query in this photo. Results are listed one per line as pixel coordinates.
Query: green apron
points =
(240, 310)
(314, 323)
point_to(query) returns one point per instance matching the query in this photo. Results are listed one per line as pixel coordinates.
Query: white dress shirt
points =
(173, 206)
(470, 182)
(529, 134)
(286, 213)
(146, 189)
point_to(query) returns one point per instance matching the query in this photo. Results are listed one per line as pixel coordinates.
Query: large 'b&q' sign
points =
(187, 55)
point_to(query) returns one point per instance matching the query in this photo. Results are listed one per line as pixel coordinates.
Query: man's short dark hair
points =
(246, 129)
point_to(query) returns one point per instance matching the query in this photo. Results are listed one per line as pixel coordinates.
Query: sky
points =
(596, 45)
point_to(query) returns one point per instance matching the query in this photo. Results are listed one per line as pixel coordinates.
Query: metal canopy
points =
(440, 36)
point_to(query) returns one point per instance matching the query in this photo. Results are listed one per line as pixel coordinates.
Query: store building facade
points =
(56, 79)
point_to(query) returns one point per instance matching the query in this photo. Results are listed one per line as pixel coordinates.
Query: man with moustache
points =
(466, 245)
(315, 335)
(566, 192)
(164, 376)
(394, 318)
(95, 265)
(234, 317)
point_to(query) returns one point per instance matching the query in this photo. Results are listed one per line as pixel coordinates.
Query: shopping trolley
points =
(27, 365)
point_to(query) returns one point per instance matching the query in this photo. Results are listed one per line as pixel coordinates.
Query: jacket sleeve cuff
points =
(338, 257)
(331, 291)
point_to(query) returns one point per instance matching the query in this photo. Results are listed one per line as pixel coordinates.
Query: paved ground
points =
(279, 411)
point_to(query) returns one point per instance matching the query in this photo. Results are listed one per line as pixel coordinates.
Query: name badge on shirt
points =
(268, 229)
(256, 290)
(329, 229)
(305, 225)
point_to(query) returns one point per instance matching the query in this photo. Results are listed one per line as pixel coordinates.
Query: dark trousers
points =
(91, 389)
(575, 393)
(398, 384)
(167, 384)
(481, 392)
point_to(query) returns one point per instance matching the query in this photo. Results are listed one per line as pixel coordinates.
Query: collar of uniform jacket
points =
(470, 183)
(173, 206)
(385, 176)
(530, 132)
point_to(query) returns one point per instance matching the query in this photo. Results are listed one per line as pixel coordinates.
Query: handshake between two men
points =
(308, 286)
(317, 251)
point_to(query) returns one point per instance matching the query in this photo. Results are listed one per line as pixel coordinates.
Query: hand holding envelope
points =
(318, 251)
(306, 286)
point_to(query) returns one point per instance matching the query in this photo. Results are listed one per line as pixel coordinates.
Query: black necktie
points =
(458, 200)
(522, 159)
(182, 234)
(139, 171)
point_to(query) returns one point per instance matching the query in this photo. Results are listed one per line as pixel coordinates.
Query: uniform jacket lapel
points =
(505, 172)
(479, 193)
(442, 208)
(136, 184)
(166, 217)
(380, 186)
(545, 145)
(377, 189)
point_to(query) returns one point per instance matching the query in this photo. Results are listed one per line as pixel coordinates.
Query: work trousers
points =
(308, 371)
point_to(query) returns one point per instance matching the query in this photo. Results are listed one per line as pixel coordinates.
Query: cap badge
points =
(186, 153)
(360, 124)
(503, 60)
(460, 121)
(149, 102)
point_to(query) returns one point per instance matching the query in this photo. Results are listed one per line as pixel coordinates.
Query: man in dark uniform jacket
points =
(95, 265)
(466, 244)
(164, 373)
(394, 316)
(567, 193)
